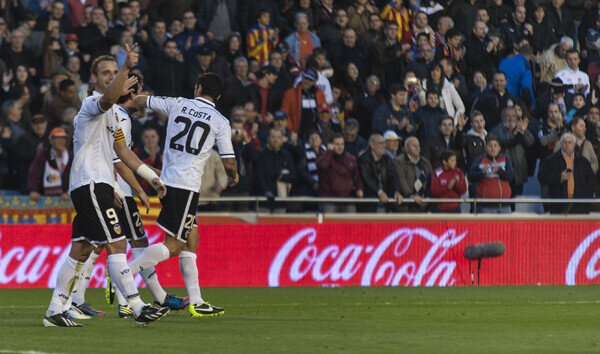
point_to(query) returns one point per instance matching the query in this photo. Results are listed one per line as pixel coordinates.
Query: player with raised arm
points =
(96, 134)
(194, 127)
(129, 213)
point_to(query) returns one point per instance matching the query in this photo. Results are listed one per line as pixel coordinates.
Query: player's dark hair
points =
(135, 88)
(212, 85)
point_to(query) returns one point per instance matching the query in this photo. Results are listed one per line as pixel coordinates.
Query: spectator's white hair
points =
(446, 19)
(409, 140)
(373, 137)
(300, 15)
(372, 77)
(351, 124)
(567, 135)
(566, 41)
(238, 60)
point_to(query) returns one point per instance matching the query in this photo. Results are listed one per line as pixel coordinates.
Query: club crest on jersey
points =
(117, 229)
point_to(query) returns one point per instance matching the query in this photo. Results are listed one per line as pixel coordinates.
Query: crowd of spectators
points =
(351, 98)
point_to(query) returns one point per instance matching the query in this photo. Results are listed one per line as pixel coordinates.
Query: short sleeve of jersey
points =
(162, 105)
(90, 107)
(224, 145)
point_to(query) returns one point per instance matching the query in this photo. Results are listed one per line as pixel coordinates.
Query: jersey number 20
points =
(189, 129)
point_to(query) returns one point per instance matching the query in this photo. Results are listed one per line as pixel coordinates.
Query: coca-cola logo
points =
(591, 271)
(388, 263)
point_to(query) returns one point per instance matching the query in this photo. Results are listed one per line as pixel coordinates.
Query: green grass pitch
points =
(378, 319)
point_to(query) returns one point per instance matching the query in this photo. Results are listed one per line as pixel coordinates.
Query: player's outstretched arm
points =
(134, 163)
(128, 176)
(115, 88)
(230, 165)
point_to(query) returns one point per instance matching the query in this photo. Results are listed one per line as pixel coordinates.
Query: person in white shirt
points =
(92, 181)
(571, 75)
(194, 127)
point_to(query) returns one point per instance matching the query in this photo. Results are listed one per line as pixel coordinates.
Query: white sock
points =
(120, 298)
(66, 281)
(121, 275)
(150, 278)
(189, 270)
(151, 256)
(88, 268)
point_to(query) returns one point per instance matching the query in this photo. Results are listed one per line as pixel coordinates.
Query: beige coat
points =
(551, 64)
(214, 175)
(587, 150)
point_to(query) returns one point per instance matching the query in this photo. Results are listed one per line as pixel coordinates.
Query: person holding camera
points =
(567, 174)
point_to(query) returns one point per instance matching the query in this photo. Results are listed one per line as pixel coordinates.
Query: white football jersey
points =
(194, 126)
(125, 125)
(95, 133)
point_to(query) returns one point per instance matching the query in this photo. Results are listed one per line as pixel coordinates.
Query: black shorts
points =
(133, 229)
(178, 214)
(97, 220)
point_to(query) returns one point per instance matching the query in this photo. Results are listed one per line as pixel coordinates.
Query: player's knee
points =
(80, 251)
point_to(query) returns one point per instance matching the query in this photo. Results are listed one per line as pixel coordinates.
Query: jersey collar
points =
(204, 100)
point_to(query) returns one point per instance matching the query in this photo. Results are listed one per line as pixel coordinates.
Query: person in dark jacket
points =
(492, 174)
(354, 144)
(414, 171)
(493, 101)
(568, 175)
(482, 50)
(275, 171)
(394, 115)
(446, 140)
(262, 93)
(50, 170)
(168, 72)
(339, 176)
(379, 175)
(427, 119)
(472, 142)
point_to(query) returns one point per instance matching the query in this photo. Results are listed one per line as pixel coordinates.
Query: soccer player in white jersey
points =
(194, 127)
(134, 229)
(96, 134)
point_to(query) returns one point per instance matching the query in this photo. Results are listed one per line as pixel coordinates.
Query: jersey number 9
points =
(189, 129)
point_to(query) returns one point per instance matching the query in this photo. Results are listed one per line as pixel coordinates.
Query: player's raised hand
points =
(132, 56)
(145, 201)
(129, 83)
(158, 184)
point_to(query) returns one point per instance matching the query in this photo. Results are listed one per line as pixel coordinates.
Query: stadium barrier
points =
(427, 252)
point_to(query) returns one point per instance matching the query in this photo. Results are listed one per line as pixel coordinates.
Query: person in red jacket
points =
(492, 173)
(338, 176)
(448, 181)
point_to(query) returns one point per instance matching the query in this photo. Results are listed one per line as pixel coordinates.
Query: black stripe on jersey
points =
(204, 100)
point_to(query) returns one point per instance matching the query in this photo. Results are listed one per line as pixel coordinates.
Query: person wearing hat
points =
(262, 94)
(301, 104)
(290, 139)
(205, 58)
(261, 39)
(289, 63)
(392, 143)
(72, 42)
(49, 172)
(557, 94)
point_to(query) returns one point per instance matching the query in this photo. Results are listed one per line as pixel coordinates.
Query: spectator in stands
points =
(554, 59)
(387, 55)
(24, 149)
(301, 104)
(275, 171)
(427, 119)
(515, 138)
(568, 175)
(473, 141)
(482, 50)
(234, 93)
(493, 101)
(338, 176)
(168, 72)
(551, 131)
(261, 39)
(92, 38)
(446, 140)
(302, 42)
(395, 11)
(246, 156)
(448, 181)
(262, 94)
(359, 14)
(17, 54)
(50, 170)
(414, 172)
(354, 144)
(214, 181)
(582, 145)
(153, 42)
(572, 76)
(519, 78)
(420, 25)
(150, 153)
(450, 100)
(379, 175)
(330, 33)
(219, 18)
(514, 30)
(392, 143)
(324, 125)
(67, 97)
(290, 139)
(190, 38)
(492, 174)
(395, 114)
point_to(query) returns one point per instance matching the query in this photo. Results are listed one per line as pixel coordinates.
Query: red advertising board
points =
(397, 254)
